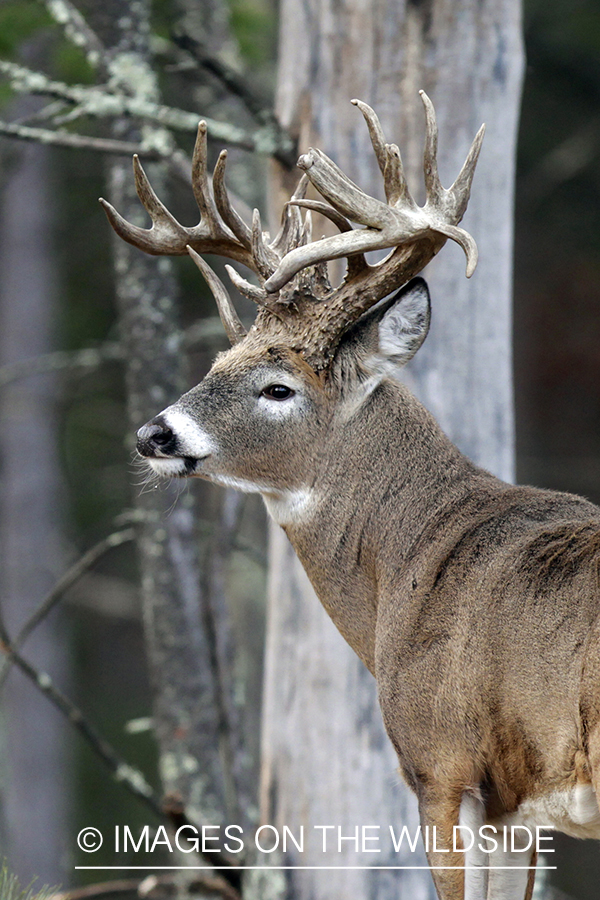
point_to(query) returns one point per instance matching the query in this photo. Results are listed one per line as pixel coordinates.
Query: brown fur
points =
(475, 603)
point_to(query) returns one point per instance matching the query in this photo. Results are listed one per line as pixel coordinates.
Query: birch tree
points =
(325, 755)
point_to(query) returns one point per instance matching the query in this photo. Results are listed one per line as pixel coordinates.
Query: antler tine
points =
(375, 132)
(465, 240)
(357, 262)
(229, 215)
(360, 240)
(291, 221)
(231, 322)
(250, 291)
(461, 189)
(325, 210)
(433, 185)
(339, 190)
(306, 236)
(166, 236)
(388, 157)
(155, 208)
(200, 187)
(388, 225)
(396, 188)
(266, 261)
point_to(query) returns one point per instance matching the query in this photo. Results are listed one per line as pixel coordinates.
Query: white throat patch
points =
(289, 507)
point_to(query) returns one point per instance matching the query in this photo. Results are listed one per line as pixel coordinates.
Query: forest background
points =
(66, 450)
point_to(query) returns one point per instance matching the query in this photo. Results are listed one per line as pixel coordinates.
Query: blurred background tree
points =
(96, 650)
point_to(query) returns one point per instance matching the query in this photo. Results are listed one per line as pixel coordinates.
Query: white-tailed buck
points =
(474, 602)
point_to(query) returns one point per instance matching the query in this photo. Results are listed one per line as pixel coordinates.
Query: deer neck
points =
(349, 530)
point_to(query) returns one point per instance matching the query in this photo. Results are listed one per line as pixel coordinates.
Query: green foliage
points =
(71, 65)
(24, 20)
(10, 888)
(19, 21)
(254, 26)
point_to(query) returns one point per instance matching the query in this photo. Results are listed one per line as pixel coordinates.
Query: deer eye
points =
(278, 392)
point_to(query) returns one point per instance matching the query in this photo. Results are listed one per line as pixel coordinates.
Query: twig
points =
(130, 777)
(108, 889)
(78, 31)
(77, 141)
(70, 577)
(88, 358)
(230, 79)
(286, 151)
(205, 332)
(145, 887)
(102, 102)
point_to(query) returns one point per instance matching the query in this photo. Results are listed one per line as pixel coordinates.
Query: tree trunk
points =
(190, 723)
(35, 786)
(326, 757)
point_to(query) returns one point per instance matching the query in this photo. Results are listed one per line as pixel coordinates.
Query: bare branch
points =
(107, 889)
(204, 332)
(78, 31)
(131, 778)
(27, 81)
(146, 887)
(88, 358)
(70, 577)
(102, 102)
(285, 146)
(77, 141)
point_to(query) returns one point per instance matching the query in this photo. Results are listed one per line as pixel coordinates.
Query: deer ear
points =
(404, 322)
(391, 333)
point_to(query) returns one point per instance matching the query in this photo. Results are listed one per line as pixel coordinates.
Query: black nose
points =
(155, 438)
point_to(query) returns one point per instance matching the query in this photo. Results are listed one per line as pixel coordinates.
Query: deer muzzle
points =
(156, 438)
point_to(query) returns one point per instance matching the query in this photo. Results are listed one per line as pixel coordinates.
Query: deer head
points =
(279, 379)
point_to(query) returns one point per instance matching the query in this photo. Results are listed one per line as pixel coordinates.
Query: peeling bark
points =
(326, 757)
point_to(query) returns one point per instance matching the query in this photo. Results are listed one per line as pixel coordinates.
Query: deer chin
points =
(172, 467)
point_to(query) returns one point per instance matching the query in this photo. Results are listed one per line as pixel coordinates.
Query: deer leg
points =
(509, 875)
(471, 817)
(439, 816)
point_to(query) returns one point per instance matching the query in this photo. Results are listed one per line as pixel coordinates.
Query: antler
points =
(295, 297)
(398, 222)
